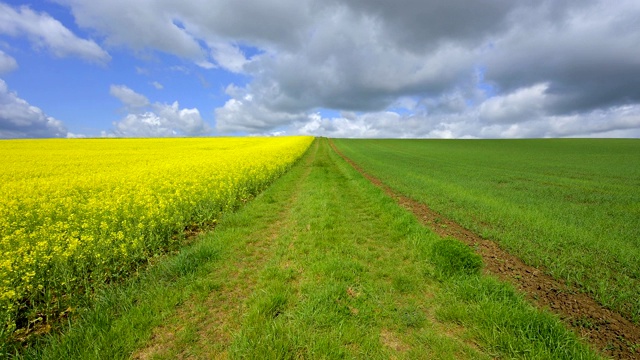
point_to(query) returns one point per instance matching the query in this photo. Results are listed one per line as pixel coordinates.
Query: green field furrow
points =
(569, 205)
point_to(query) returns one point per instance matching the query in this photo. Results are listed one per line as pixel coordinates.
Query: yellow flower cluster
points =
(79, 212)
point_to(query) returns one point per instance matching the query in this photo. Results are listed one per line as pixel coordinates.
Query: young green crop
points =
(569, 205)
(75, 214)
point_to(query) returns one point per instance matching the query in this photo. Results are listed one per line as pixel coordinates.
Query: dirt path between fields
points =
(608, 331)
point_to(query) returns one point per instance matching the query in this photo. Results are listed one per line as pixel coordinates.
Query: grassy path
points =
(207, 325)
(321, 265)
(322, 282)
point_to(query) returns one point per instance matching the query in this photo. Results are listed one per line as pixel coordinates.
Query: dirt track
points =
(608, 331)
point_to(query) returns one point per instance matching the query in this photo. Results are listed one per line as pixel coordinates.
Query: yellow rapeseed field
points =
(74, 213)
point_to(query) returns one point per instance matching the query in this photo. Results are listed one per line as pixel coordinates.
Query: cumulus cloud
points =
(43, 31)
(19, 119)
(128, 97)
(588, 56)
(155, 120)
(371, 54)
(228, 56)
(489, 68)
(386, 124)
(518, 106)
(369, 125)
(244, 113)
(613, 122)
(360, 70)
(138, 24)
(165, 120)
(616, 122)
(7, 63)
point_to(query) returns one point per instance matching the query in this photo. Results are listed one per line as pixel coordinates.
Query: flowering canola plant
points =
(75, 213)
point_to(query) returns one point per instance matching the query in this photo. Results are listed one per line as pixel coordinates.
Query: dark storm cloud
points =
(590, 57)
(420, 25)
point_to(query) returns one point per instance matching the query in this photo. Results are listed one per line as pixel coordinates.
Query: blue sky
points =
(76, 90)
(420, 69)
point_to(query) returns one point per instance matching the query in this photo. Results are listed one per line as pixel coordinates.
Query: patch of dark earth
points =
(611, 333)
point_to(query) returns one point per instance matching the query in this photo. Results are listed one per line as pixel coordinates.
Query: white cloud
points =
(164, 120)
(244, 113)
(19, 119)
(340, 127)
(521, 105)
(206, 64)
(383, 124)
(622, 121)
(157, 85)
(7, 63)
(155, 120)
(71, 135)
(252, 117)
(129, 98)
(228, 56)
(43, 31)
(619, 121)
(139, 25)
(146, 124)
(185, 121)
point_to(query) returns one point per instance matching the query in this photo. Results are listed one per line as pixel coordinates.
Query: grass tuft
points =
(187, 262)
(452, 258)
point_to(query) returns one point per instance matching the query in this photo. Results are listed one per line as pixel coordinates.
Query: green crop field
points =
(571, 206)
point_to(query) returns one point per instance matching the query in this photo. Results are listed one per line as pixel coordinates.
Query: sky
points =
(356, 68)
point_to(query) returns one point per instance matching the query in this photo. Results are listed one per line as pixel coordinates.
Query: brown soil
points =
(608, 331)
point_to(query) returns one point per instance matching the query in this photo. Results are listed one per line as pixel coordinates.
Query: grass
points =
(569, 205)
(321, 265)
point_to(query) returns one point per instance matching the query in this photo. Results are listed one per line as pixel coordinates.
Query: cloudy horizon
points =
(408, 69)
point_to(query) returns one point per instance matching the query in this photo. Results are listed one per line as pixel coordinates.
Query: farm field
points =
(571, 206)
(322, 264)
(77, 214)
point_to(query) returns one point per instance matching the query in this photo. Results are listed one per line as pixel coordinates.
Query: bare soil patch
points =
(392, 341)
(608, 331)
